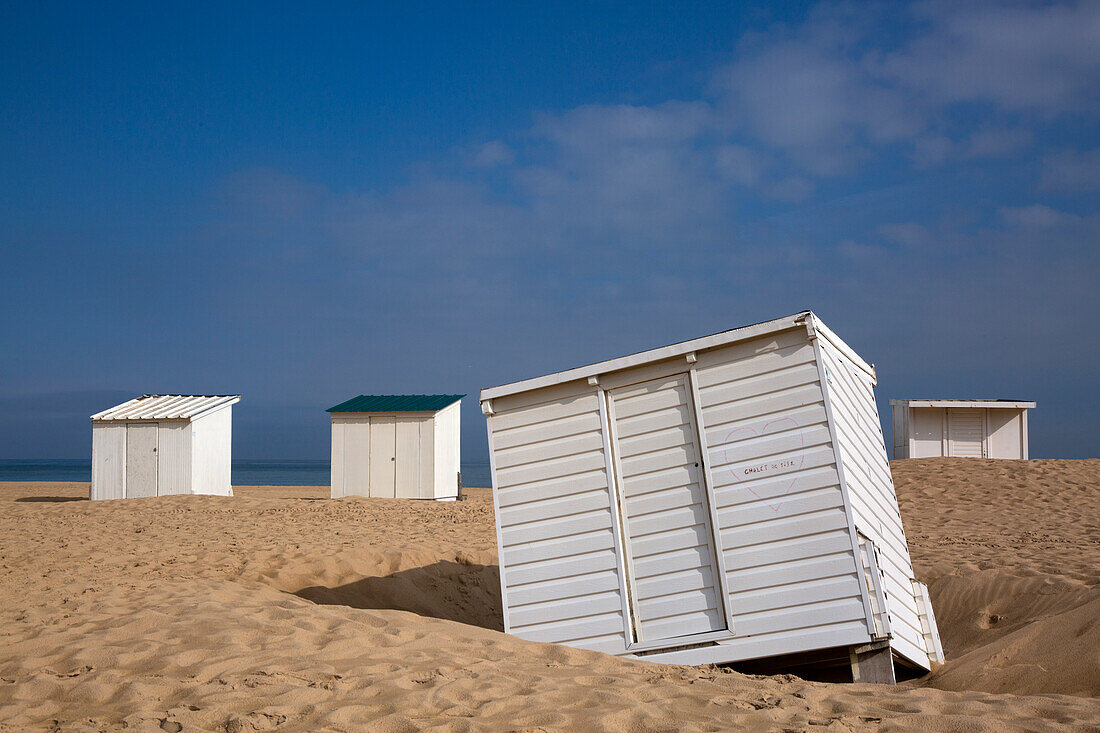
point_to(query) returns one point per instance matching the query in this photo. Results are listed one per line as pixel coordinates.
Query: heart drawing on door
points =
(763, 469)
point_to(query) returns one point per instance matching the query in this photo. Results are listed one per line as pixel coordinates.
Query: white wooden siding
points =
(447, 451)
(871, 493)
(965, 433)
(783, 527)
(666, 513)
(790, 565)
(174, 457)
(141, 460)
(559, 569)
(108, 461)
(212, 453)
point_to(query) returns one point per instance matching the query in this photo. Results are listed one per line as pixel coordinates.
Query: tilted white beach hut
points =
(397, 446)
(723, 499)
(960, 428)
(156, 445)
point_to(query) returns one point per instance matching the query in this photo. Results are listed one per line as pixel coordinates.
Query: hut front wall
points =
(784, 538)
(385, 455)
(871, 493)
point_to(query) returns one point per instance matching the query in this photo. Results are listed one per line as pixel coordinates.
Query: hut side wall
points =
(556, 538)
(871, 492)
(211, 454)
(108, 461)
(446, 453)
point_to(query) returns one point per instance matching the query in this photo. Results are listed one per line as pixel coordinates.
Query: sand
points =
(280, 609)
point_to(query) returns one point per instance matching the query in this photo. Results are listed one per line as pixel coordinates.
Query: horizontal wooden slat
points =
(509, 496)
(567, 608)
(549, 450)
(670, 583)
(580, 584)
(553, 468)
(555, 507)
(563, 567)
(816, 615)
(787, 549)
(798, 594)
(788, 505)
(657, 461)
(716, 416)
(566, 526)
(687, 624)
(537, 432)
(651, 421)
(795, 571)
(783, 528)
(666, 521)
(562, 632)
(558, 548)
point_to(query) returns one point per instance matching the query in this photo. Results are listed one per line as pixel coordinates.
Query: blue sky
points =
(302, 203)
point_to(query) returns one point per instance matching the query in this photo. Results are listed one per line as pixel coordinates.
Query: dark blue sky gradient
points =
(303, 203)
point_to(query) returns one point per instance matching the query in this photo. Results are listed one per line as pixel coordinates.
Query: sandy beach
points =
(280, 609)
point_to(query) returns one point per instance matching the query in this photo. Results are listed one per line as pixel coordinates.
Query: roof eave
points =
(723, 338)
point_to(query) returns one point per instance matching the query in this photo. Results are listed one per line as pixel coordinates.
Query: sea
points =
(245, 472)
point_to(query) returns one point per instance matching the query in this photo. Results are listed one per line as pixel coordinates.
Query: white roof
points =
(167, 407)
(804, 319)
(966, 402)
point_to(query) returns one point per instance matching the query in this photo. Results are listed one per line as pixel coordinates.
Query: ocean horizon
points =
(246, 472)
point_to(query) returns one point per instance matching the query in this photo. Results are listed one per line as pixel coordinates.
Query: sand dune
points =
(282, 610)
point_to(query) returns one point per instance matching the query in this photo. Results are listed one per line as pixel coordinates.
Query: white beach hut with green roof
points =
(397, 446)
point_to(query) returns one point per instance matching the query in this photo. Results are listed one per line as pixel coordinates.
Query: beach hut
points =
(960, 428)
(718, 500)
(156, 445)
(397, 446)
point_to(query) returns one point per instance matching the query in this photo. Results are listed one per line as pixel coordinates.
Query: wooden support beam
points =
(873, 663)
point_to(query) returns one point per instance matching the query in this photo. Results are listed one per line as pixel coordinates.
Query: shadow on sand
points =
(52, 499)
(469, 594)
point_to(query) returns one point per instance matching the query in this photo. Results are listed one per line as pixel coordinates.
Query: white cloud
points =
(493, 154)
(1072, 171)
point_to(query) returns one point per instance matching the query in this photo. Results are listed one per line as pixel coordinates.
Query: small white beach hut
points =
(723, 499)
(156, 445)
(960, 428)
(397, 446)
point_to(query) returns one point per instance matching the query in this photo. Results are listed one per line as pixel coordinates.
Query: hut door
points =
(964, 432)
(671, 564)
(141, 460)
(383, 456)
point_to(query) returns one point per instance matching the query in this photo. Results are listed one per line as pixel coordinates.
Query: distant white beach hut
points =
(960, 428)
(156, 445)
(723, 499)
(397, 446)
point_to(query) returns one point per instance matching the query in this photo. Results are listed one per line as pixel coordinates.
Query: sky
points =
(305, 202)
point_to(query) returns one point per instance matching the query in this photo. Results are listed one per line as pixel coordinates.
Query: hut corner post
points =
(873, 663)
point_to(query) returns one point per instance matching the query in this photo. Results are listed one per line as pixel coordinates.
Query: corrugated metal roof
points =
(963, 402)
(397, 403)
(166, 407)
